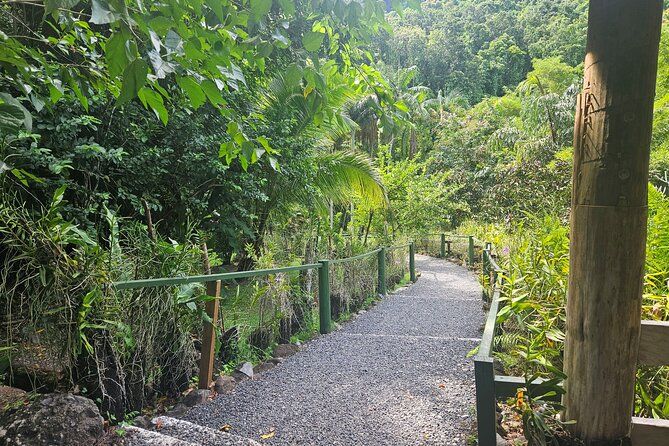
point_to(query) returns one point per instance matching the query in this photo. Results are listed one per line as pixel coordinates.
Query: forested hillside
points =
(479, 48)
(137, 138)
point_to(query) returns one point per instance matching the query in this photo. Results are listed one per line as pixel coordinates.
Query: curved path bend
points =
(395, 375)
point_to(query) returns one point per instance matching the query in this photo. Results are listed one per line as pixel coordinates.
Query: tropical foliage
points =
(137, 138)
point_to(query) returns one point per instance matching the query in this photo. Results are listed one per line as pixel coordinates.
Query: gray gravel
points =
(395, 375)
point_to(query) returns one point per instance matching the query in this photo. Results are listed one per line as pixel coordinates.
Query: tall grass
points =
(122, 348)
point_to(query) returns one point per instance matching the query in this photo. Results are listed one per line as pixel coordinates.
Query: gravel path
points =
(395, 375)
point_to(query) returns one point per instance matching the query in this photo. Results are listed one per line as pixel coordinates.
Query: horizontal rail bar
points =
(485, 348)
(171, 281)
(494, 265)
(654, 343)
(507, 386)
(358, 257)
(390, 248)
(649, 431)
(419, 236)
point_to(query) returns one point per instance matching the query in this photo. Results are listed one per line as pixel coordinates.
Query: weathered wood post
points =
(209, 336)
(324, 308)
(608, 220)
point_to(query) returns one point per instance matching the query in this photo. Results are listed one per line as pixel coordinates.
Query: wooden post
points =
(209, 336)
(608, 220)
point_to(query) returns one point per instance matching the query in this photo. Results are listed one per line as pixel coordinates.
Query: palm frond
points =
(344, 173)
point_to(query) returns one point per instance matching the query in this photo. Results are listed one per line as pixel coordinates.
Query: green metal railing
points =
(213, 286)
(484, 373)
(490, 387)
(446, 241)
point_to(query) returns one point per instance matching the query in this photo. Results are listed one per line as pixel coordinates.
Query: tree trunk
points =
(609, 213)
(369, 225)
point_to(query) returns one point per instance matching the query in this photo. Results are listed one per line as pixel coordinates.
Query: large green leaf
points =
(154, 101)
(101, 13)
(116, 53)
(13, 115)
(54, 5)
(288, 6)
(193, 91)
(260, 8)
(293, 75)
(212, 92)
(134, 78)
(312, 41)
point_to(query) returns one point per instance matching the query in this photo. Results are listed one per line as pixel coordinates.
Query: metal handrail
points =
(391, 248)
(358, 257)
(484, 371)
(204, 278)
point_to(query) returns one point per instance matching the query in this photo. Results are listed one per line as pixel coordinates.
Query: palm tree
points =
(333, 175)
(411, 108)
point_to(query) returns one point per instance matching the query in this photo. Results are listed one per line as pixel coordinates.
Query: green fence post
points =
(382, 271)
(486, 414)
(324, 312)
(486, 271)
(443, 245)
(471, 250)
(484, 258)
(412, 262)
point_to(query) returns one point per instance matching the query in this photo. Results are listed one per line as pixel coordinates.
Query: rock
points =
(136, 436)
(142, 421)
(11, 396)
(52, 420)
(195, 397)
(276, 361)
(263, 367)
(501, 441)
(244, 371)
(200, 435)
(178, 410)
(286, 350)
(35, 366)
(224, 384)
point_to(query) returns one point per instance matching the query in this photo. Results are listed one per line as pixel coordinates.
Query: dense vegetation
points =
(136, 138)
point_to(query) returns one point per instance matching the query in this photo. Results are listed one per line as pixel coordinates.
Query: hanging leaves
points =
(134, 78)
(138, 48)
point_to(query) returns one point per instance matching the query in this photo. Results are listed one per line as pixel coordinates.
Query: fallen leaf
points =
(442, 386)
(226, 428)
(268, 435)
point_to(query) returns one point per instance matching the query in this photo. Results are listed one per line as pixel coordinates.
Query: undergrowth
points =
(534, 254)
